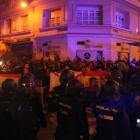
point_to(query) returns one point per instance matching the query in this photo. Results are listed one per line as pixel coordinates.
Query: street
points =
(47, 133)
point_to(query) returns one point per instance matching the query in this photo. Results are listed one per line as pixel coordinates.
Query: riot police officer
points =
(64, 77)
(7, 128)
(27, 109)
(111, 116)
(116, 76)
(133, 103)
(30, 75)
(71, 114)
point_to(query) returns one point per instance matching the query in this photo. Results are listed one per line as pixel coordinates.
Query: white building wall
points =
(94, 41)
(107, 34)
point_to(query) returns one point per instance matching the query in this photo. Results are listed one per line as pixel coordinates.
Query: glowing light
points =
(137, 29)
(23, 4)
(0, 63)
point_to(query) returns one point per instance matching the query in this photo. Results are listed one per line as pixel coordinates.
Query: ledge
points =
(52, 28)
(16, 34)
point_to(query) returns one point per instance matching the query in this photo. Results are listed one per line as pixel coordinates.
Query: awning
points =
(135, 43)
(24, 48)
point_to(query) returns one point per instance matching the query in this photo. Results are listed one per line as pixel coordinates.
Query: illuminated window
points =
(120, 20)
(24, 23)
(7, 26)
(89, 15)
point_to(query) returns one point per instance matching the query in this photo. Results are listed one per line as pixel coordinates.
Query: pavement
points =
(47, 133)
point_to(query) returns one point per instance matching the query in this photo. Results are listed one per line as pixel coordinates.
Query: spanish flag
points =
(3, 47)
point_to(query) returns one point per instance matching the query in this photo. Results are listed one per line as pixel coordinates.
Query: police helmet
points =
(26, 85)
(135, 81)
(9, 85)
(74, 88)
(111, 88)
(116, 76)
(30, 75)
(65, 76)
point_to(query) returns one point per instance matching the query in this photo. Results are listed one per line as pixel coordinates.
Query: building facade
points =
(71, 28)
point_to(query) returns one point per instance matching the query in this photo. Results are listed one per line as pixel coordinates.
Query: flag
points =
(54, 78)
(3, 47)
(5, 76)
(94, 74)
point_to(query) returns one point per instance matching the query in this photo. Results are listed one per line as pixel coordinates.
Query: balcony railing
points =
(121, 24)
(24, 27)
(55, 21)
(88, 20)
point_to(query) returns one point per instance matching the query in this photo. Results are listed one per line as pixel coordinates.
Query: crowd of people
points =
(115, 106)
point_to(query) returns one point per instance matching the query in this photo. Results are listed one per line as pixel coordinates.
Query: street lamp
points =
(23, 4)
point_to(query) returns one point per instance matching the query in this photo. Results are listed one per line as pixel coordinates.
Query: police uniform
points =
(112, 121)
(111, 115)
(72, 119)
(8, 131)
(71, 114)
(27, 109)
(133, 104)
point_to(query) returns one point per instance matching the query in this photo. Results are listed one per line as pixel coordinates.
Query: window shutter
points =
(101, 14)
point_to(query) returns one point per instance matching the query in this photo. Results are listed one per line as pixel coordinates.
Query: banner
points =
(5, 76)
(54, 77)
(89, 54)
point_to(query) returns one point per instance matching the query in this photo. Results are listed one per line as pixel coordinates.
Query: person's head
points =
(44, 67)
(83, 69)
(114, 64)
(65, 76)
(8, 63)
(116, 76)
(74, 88)
(26, 85)
(26, 66)
(9, 85)
(30, 75)
(4, 70)
(93, 82)
(66, 67)
(127, 67)
(137, 65)
(111, 90)
(135, 82)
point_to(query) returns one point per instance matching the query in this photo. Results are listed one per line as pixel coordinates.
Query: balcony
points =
(55, 21)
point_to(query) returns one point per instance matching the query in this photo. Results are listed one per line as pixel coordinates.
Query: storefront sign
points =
(89, 54)
(53, 47)
(124, 49)
(91, 46)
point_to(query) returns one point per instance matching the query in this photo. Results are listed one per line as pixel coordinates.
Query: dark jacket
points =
(8, 130)
(133, 104)
(112, 121)
(72, 119)
(28, 115)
